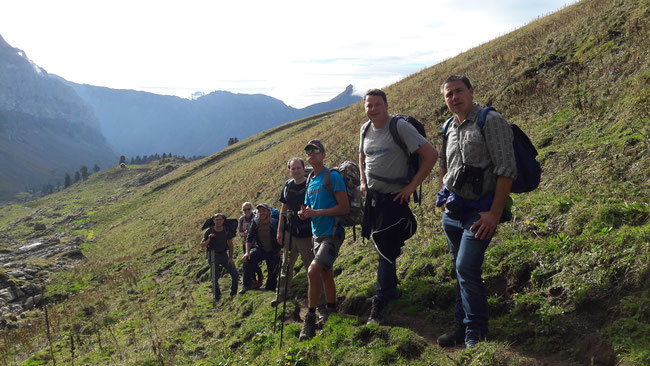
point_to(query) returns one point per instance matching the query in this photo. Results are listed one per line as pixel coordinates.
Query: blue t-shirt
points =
(318, 197)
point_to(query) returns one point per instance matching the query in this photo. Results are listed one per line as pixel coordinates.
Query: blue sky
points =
(301, 52)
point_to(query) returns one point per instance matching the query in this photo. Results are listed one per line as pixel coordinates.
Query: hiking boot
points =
(453, 338)
(323, 315)
(308, 330)
(377, 312)
(243, 290)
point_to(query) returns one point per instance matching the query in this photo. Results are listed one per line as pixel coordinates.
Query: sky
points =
(301, 52)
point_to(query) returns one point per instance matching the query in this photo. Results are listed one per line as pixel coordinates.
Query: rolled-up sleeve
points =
(498, 137)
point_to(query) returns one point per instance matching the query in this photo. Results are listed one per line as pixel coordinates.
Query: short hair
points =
(219, 214)
(376, 92)
(451, 78)
(294, 159)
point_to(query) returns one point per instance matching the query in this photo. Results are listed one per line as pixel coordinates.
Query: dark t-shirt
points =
(293, 195)
(218, 243)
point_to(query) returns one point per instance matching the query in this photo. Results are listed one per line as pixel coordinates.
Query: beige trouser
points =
(302, 246)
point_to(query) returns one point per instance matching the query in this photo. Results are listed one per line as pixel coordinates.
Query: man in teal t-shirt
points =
(322, 208)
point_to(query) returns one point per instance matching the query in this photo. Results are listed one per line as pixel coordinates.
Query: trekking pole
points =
(213, 276)
(286, 275)
(277, 289)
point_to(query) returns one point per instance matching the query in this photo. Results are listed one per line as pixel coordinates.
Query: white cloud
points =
(298, 51)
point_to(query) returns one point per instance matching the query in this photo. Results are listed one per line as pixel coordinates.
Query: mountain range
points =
(50, 126)
(46, 130)
(137, 123)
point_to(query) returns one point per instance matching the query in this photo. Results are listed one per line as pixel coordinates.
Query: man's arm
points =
(342, 207)
(429, 156)
(489, 220)
(364, 185)
(283, 212)
(231, 252)
(206, 240)
(252, 235)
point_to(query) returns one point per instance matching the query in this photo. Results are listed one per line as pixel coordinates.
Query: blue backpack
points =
(528, 168)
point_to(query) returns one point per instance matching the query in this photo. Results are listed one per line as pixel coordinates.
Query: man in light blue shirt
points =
(322, 207)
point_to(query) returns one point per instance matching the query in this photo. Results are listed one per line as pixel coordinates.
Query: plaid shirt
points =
(490, 149)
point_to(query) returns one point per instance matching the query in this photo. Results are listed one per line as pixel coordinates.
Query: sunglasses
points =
(312, 150)
(246, 209)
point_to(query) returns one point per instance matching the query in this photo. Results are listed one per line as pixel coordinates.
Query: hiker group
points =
(480, 158)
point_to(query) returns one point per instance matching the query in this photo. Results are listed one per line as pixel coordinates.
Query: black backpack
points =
(529, 171)
(229, 224)
(414, 159)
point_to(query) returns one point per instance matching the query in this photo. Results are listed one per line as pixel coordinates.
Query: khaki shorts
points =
(326, 249)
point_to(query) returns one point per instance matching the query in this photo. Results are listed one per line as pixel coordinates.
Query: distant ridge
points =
(141, 123)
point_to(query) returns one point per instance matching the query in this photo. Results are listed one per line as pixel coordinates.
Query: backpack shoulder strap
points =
(445, 127)
(364, 130)
(392, 127)
(483, 116)
(327, 182)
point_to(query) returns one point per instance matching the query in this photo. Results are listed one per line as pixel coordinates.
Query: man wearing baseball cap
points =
(321, 207)
(262, 245)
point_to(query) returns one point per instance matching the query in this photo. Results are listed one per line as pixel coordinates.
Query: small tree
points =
(67, 181)
(77, 176)
(122, 159)
(232, 140)
(84, 172)
(96, 168)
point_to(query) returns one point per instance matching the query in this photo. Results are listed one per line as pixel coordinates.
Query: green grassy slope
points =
(568, 278)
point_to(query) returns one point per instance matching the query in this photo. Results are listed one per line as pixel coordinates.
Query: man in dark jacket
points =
(262, 245)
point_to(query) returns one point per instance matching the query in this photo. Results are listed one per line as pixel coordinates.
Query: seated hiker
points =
(217, 239)
(261, 244)
(245, 222)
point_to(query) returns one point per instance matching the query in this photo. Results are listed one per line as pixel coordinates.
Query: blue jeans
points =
(467, 255)
(221, 260)
(386, 280)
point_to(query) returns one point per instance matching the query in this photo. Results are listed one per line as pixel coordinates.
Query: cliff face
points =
(46, 130)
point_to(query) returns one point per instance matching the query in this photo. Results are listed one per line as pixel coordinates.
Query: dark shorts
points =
(326, 249)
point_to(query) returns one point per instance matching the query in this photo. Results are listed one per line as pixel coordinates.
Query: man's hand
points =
(486, 225)
(245, 257)
(306, 213)
(404, 194)
(231, 261)
(280, 237)
(363, 188)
